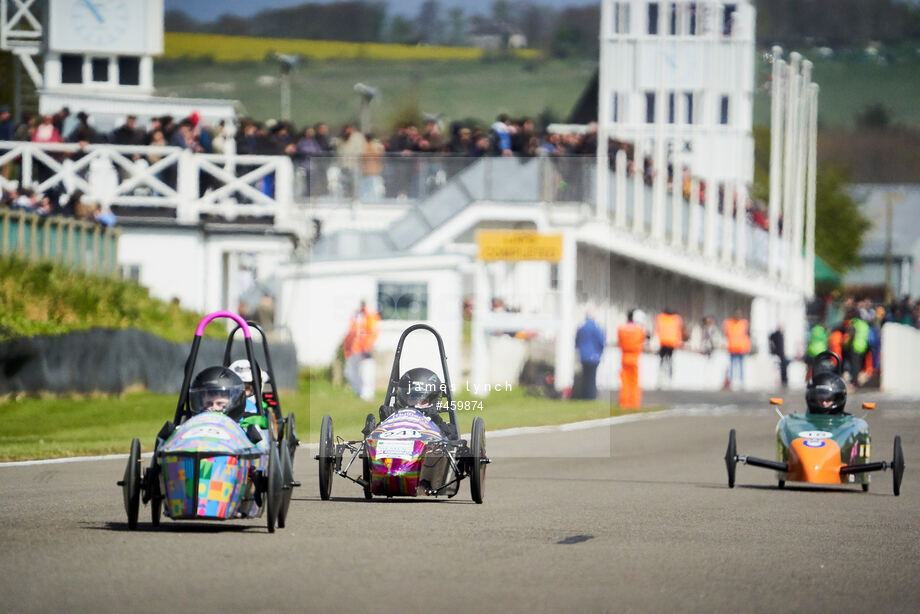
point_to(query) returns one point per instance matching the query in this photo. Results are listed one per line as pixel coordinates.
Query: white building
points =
(677, 80)
(675, 86)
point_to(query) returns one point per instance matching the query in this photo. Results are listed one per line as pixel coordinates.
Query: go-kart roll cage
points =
(389, 399)
(275, 405)
(451, 448)
(182, 408)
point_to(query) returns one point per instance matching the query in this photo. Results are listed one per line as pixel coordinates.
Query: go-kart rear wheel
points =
(477, 454)
(865, 486)
(731, 457)
(897, 466)
(326, 458)
(287, 481)
(131, 484)
(290, 435)
(273, 488)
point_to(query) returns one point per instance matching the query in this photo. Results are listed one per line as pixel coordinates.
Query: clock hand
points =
(95, 11)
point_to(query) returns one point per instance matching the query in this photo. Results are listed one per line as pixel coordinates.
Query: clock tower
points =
(102, 45)
(97, 58)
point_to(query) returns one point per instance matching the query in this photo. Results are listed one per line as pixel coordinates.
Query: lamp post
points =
(287, 63)
(367, 94)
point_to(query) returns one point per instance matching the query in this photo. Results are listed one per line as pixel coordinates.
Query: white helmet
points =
(241, 367)
(638, 317)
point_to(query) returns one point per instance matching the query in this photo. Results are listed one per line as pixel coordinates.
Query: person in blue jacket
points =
(590, 341)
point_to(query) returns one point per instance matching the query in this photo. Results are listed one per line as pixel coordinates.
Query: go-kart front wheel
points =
(273, 488)
(326, 458)
(731, 457)
(131, 484)
(477, 454)
(897, 466)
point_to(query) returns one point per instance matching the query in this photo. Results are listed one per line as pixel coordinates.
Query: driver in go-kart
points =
(218, 389)
(826, 393)
(242, 368)
(421, 389)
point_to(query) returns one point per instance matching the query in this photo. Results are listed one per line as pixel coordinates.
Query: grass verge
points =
(59, 427)
(39, 298)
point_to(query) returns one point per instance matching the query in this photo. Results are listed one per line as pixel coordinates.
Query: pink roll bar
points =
(222, 314)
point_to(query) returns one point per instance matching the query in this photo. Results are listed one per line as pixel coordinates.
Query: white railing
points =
(164, 177)
(185, 185)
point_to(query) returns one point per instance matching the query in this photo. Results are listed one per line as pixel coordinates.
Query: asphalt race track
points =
(630, 517)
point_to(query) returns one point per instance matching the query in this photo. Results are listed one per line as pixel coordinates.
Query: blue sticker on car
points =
(814, 443)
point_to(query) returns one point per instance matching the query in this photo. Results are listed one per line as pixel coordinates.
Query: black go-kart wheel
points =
(273, 488)
(781, 483)
(290, 435)
(897, 466)
(131, 483)
(477, 454)
(731, 457)
(156, 507)
(152, 488)
(326, 458)
(366, 475)
(287, 484)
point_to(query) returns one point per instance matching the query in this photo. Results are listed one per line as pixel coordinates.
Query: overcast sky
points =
(205, 10)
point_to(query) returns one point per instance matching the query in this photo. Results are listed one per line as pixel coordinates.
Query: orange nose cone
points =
(815, 460)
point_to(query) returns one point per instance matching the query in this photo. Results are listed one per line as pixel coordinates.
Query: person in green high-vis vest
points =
(857, 343)
(817, 343)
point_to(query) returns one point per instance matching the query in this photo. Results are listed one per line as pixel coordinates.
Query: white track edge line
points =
(692, 410)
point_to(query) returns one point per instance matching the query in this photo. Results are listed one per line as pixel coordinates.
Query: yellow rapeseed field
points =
(222, 48)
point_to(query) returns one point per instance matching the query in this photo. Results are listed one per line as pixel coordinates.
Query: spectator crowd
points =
(349, 163)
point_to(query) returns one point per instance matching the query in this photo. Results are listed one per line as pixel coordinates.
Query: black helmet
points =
(218, 389)
(419, 388)
(826, 393)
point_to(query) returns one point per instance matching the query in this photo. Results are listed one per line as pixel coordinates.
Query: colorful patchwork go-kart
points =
(412, 451)
(824, 445)
(215, 460)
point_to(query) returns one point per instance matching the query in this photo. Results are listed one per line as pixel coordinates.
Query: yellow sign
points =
(518, 245)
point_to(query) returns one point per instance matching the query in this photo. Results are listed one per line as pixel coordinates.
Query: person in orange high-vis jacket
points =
(631, 337)
(358, 348)
(835, 340)
(669, 328)
(738, 339)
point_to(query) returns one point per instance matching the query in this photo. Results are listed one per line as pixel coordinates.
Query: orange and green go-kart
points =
(824, 445)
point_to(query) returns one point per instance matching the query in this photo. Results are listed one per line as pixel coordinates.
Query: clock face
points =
(131, 27)
(100, 22)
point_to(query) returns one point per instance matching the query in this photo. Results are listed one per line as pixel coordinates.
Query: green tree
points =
(839, 224)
